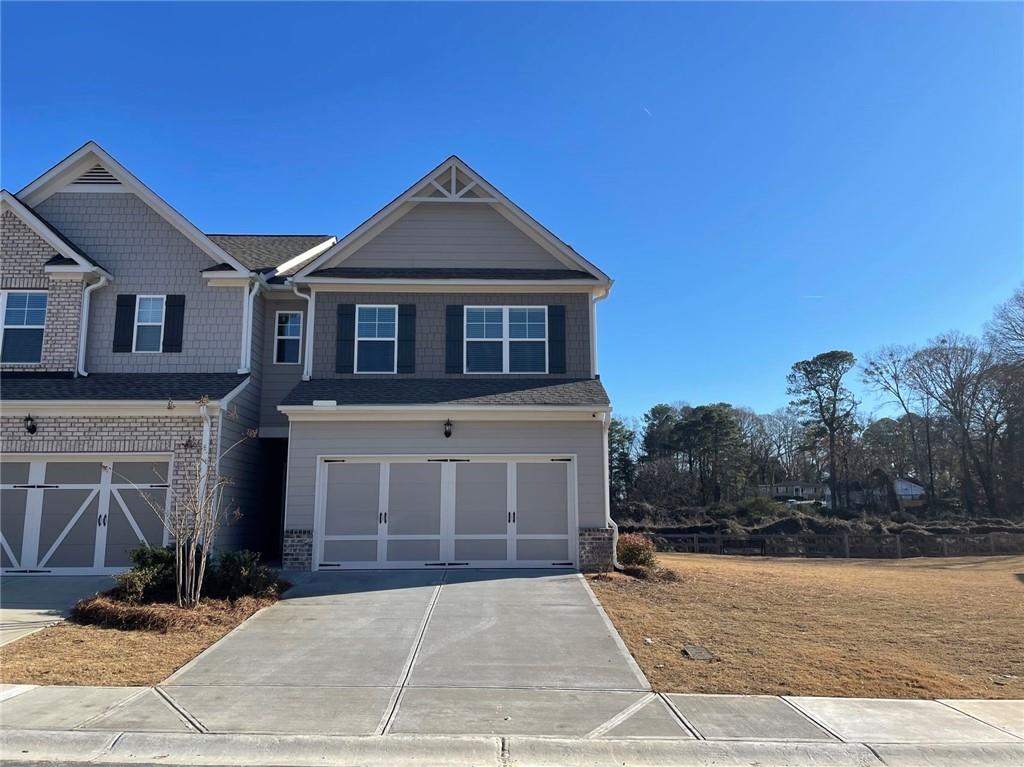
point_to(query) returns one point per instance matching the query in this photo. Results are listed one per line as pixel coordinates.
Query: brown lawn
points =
(871, 628)
(76, 654)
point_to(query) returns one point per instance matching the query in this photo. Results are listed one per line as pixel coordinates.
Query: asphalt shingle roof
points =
(259, 252)
(184, 387)
(386, 273)
(451, 391)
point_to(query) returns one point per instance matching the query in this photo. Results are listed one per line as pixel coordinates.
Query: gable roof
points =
(271, 252)
(68, 254)
(453, 182)
(80, 167)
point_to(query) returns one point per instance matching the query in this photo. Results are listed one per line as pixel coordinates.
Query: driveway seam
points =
(622, 716)
(391, 711)
(190, 720)
(115, 707)
(687, 724)
(972, 716)
(807, 715)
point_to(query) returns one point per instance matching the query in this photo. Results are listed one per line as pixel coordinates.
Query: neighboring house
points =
(804, 491)
(424, 391)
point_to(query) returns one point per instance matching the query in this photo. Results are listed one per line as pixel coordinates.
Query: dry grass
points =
(78, 654)
(910, 628)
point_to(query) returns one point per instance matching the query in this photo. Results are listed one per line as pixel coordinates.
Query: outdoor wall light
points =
(30, 424)
(448, 428)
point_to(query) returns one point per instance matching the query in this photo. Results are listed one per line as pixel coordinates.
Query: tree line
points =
(957, 430)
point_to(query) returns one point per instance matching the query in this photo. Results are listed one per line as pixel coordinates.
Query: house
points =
(423, 391)
(810, 491)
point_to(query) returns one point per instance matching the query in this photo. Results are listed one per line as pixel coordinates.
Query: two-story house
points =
(422, 392)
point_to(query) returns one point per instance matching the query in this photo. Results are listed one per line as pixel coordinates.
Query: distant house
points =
(806, 491)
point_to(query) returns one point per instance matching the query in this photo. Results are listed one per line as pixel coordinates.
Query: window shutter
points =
(174, 322)
(453, 339)
(407, 338)
(556, 339)
(345, 356)
(124, 323)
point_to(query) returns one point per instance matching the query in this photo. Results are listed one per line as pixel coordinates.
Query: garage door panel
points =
(541, 499)
(12, 523)
(481, 550)
(413, 551)
(140, 472)
(73, 472)
(539, 549)
(122, 534)
(14, 472)
(67, 529)
(414, 499)
(349, 551)
(481, 499)
(353, 499)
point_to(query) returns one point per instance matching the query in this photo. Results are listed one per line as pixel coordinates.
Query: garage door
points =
(446, 512)
(79, 514)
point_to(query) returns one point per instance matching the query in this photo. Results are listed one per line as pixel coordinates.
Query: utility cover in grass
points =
(696, 652)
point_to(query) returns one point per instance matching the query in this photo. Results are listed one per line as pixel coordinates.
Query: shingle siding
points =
(23, 255)
(430, 326)
(278, 380)
(147, 255)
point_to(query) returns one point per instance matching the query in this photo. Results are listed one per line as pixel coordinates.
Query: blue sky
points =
(764, 182)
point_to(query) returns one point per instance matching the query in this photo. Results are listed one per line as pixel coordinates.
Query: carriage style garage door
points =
(73, 515)
(493, 511)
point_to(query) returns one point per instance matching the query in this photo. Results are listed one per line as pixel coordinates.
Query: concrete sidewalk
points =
(139, 725)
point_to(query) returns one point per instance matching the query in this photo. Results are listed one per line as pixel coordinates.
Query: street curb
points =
(988, 754)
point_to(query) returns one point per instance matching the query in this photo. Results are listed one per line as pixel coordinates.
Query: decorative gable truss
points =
(453, 182)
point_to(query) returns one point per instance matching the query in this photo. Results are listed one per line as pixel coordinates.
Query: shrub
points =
(151, 578)
(240, 574)
(131, 586)
(635, 550)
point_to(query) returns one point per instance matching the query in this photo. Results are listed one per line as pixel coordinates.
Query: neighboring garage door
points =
(79, 514)
(446, 512)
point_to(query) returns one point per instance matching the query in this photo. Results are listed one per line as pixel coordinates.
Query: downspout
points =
(247, 321)
(307, 362)
(606, 419)
(204, 455)
(83, 326)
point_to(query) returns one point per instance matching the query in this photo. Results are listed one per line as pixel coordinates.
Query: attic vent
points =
(97, 174)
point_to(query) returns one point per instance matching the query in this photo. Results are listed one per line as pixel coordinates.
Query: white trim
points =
(31, 220)
(136, 324)
(506, 341)
(110, 407)
(72, 166)
(406, 202)
(225, 403)
(393, 340)
(446, 536)
(3, 322)
(435, 412)
(393, 285)
(277, 337)
(83, 325)
(307, 367)
(313, 252)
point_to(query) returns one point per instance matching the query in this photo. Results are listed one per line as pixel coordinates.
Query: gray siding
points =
(240, 463)
(147, 255)
(430, 326)
(452, 235)
(310, 439)
(278, 380)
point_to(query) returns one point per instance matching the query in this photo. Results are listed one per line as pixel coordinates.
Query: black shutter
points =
(124, 323)
(407, 338)
(174, 322)
(453, 339)
(345, 356)
(556, 339)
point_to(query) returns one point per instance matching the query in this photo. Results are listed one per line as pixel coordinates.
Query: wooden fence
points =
(843, 545)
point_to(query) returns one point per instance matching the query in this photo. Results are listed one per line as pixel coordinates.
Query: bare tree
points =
(1005, 331)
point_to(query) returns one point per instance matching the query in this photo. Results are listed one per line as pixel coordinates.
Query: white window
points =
(149, 324)
(506, 339)
(288, 338)
(24, 319)
(376, 339)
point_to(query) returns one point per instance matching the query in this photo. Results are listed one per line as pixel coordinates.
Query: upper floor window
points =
(149, 324)
(288, 338)
(376, 339)
(24, 318)
(506, 339)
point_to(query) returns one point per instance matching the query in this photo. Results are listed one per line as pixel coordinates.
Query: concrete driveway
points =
(29, 603)
(410, 652)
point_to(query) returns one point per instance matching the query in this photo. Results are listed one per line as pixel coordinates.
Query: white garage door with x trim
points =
(79, 514)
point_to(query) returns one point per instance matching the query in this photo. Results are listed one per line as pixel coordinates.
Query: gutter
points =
(225, 403)
(83, 326)
(307, 362)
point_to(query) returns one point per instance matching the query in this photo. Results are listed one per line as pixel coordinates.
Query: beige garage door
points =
(446, 512)
(79, 514)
